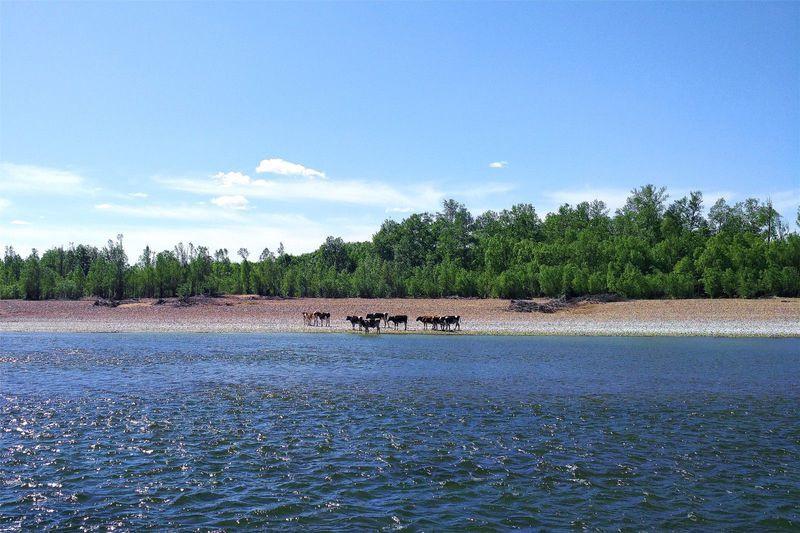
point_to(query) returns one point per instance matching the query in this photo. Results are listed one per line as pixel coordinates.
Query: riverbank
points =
(773, 317)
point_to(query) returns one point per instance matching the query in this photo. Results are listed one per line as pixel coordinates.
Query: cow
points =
(399, 319)
(427, 320)
(308, 318)
(367, 323)
(322, 318)
(380, 316)
(355, 321)
(452, 322)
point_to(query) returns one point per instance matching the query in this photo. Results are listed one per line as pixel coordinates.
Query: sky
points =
(250, 124)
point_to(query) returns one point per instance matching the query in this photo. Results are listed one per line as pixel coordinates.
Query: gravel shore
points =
(773, 317)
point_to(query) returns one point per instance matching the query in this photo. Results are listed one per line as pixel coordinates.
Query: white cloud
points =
(20, 222)
(138, 195)
(104, 206)
(229, 179)
(498, 164)
(39, 180)
(298, 233)
(287, 168)
(237, 201)
(420, 197)
(4, 203)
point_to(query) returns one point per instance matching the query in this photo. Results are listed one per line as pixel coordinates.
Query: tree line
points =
(649, 248)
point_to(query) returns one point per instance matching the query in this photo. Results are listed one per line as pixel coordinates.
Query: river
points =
(342, 432)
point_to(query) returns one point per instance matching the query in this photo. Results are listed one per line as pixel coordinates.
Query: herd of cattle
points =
(373, 321)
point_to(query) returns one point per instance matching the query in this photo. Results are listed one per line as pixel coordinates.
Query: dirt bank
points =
(767, 317)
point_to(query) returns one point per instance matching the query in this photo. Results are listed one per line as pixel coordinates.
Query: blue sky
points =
(248, 124)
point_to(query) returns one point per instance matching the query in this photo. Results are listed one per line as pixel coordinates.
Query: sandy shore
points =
(774, 317)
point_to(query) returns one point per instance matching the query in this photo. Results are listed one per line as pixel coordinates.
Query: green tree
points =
(115, 255)
(648, 249)
(30, 276)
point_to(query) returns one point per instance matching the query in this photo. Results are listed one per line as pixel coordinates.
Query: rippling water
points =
(350, 432)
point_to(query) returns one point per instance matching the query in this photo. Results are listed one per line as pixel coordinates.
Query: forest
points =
(649, 248)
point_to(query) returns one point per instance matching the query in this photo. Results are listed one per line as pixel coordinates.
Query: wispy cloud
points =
(171, 212)
(335, 191)
(298, 233)
(236, 189)
(236, 201)
(137, 195)
(20, 222)
(229, 179)
(32, 179)
(4, 204)
(498, 164)
(287, 168)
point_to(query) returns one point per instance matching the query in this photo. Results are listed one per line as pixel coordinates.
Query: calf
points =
(399, 319)
(308, 318)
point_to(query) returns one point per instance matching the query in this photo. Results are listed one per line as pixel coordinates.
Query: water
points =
(349, 432)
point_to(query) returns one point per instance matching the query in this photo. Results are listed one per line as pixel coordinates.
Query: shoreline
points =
(772, 317)
(418, 333)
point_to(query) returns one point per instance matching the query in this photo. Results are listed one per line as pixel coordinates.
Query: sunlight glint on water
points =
(342, 432)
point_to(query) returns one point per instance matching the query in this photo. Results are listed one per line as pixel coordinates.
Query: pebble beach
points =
(772, 317)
